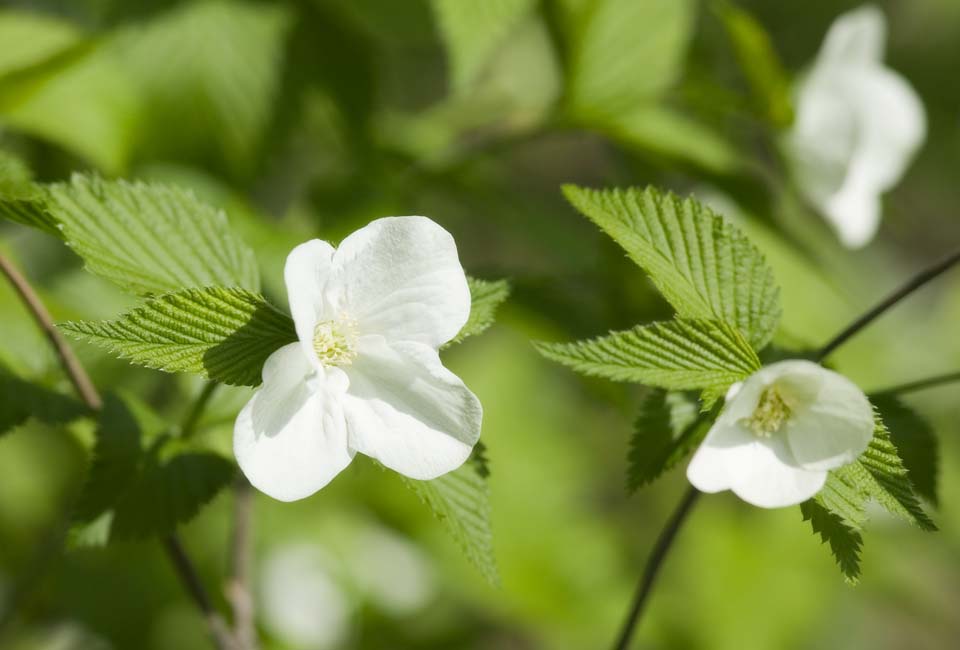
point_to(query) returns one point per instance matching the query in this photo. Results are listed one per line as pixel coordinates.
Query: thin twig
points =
(915, 283)
(68, 360)
(88, 393)
(193, 416)
(920, 384)
(241, 560)
(216, 625)
(654, 562)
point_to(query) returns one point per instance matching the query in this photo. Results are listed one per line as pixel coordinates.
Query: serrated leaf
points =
(664, 433)
(915, 441)
(878, 474)
(676, 355)
(20, 400)
(22, 200)
(758, 59)
(208, 74)
(485, 298)
(223, 334)
(703, 266)
(472, 32)
(150, 238)
(134, 491)
(461, 501)
(624, 52)
(845, 542)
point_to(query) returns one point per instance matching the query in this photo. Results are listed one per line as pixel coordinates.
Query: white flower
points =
(779, 434)
(365, 375)
(858, 125)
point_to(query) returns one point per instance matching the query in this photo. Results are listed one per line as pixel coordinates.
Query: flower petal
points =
(765, 474)
(306, 272)
(857, 36)
(290, 439)
(400, 277)
(835, 428)
(406, 410)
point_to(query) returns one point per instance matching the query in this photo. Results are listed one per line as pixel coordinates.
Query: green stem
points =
(189, 425)
(915, 283)
(920, 384)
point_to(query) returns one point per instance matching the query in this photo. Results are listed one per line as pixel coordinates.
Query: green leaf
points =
(878, 474)
(624, 52)
(676, 355)
(472, 33)
(485, 298)
(759, 61)
(30, 39)
(461, 500)
(138, 486)
(223, 334)
(845, 542)
(82, 101)
(208, 74)
(666, 132)
(666, 431)
(915, 441)
(22, 200)
(20, 400)
(703, 266)
(150, 238)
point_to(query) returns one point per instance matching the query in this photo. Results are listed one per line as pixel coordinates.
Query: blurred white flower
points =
(300, 601)
(391, 571)
(857, 126)
(365, 375)
(780, 432)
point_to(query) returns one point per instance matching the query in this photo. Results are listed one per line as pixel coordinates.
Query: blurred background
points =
(311, 117)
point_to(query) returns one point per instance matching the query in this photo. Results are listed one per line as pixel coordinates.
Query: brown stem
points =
(654, 562)
(915, 283)
(68, 360)
(241, 560)
(88, 393)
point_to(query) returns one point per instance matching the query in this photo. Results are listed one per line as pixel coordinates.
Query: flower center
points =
(333, 341)
(771, 412)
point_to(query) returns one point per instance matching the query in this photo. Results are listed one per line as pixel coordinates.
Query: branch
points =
(654, 562)
(241, 559)
(88, 393)
(920, 384)
(918, 281)
(68, 360)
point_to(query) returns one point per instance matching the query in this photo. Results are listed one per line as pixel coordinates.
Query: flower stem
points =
(88, 393)
(654, 562)
(920, 384)
(915, 283)
(189, 424)
(241, 559)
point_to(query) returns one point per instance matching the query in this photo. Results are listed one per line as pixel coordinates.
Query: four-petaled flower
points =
(780, 432)
(858, 125)
(365, 375)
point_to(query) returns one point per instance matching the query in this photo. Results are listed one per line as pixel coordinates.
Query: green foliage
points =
(623, 52)
(150, 238)
(845, 542)
(21, 200)
(701, 264)
(485, 298)
(878, 474)
(676, 355)
(915, 441)
(30, 39)
(667, 429)
(461, 500)
(472, 33)
(207, 74)
(758, 58)
(138, 487)
(223, 334)
(20, 400)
